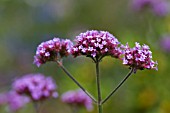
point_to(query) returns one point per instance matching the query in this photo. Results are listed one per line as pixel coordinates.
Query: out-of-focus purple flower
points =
(96, 44)
(78, 98)
(161, 7)
(52, 50)
(15, 101)
(3, 99)
(165, 43)
(158, 7)
(37, 86)
(140, 4)
(139, 57)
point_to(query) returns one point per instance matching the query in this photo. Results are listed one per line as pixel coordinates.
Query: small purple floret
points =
(79, 98)
(37, 86)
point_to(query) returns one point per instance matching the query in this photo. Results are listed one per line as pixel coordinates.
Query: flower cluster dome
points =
(51, 50)
(96, 44)
(139, 57)
(37, 86)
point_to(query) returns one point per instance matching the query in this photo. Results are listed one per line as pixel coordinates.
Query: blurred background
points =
(24, 24)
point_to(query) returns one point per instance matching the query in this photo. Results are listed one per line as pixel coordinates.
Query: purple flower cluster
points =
(37, 86)
(139, 57)
(158, 7)
(52, 50)
(78, 98)
(14, 100)
(96, 44)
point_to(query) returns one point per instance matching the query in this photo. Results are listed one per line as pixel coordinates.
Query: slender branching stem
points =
(75, 81)
(94, 60)
(119, 85)
(98, 87)
(100, 58)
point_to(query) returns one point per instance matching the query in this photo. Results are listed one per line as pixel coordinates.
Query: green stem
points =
(75, 81)
(75, 109)
(119, 85)
(37, 107)
(99, 104)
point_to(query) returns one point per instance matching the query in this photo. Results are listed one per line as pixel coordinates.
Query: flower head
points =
(96, 44)
(161, 7)
(78, 98)
(13, 100)
(139, 57)
(16, 101)
(37, 86)
(52, 50)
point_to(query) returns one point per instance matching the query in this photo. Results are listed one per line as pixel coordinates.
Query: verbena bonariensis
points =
(52, 50)
(139, 57)
(77, 98)
(13, 100)
(96, 45)
(36, 86)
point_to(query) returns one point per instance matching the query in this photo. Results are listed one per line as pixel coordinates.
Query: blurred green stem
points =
(119, 85)
(75, 109)
(75, 81)
(99, 104)
(36, 107)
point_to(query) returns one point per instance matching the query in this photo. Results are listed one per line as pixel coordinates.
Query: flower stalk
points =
(75, 81)
(99, 104)
(119, 85)
(37, 107)
(96, 45)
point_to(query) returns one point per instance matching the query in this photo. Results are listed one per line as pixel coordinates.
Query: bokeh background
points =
(26, 23)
